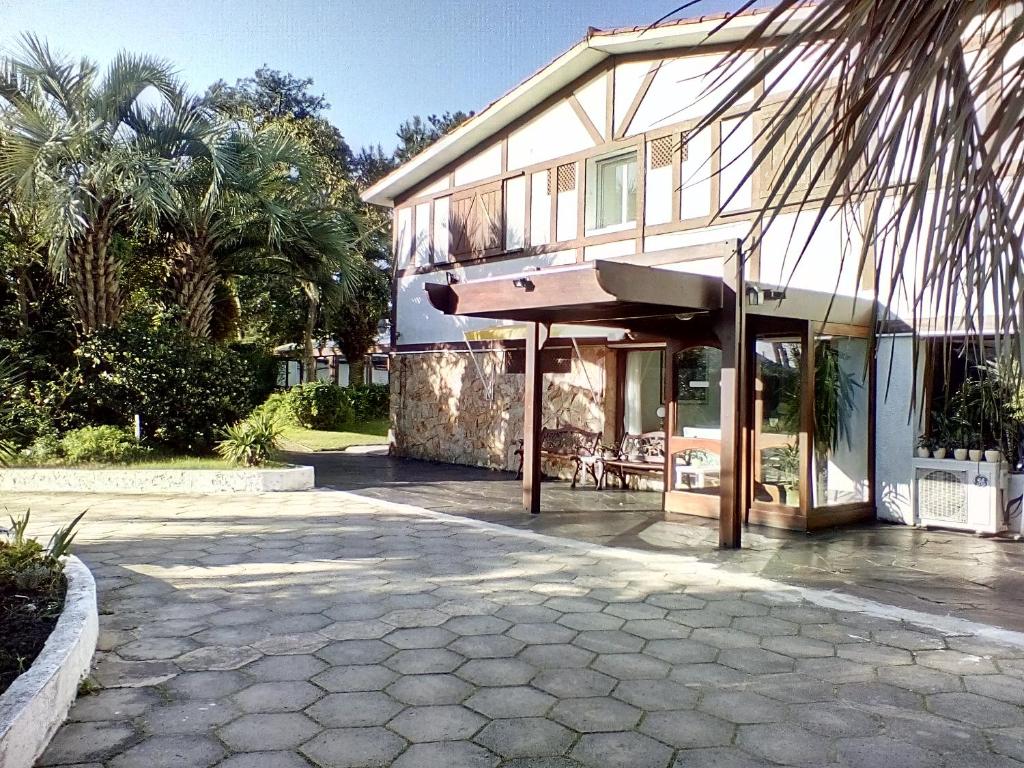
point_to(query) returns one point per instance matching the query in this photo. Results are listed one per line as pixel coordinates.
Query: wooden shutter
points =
(475, 222)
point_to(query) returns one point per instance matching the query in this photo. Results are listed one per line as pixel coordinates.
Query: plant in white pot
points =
(942, 427)
(924, 447)
(974, 451)
(993, 455)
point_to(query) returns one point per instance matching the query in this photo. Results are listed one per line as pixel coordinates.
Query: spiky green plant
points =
(251, 442)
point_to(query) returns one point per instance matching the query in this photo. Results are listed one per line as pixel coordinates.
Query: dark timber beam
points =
(536, 336)
(732, 333)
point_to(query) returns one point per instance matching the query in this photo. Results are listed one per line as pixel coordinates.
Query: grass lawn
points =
(365, 433)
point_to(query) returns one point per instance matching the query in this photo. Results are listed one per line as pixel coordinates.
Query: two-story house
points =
(575, 254)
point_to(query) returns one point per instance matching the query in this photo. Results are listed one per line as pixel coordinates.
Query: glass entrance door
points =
(695, 430)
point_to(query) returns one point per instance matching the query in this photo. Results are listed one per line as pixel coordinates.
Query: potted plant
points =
(974, 450)
(993, 455)
(942, 429)
(961, 437)
(924, 447)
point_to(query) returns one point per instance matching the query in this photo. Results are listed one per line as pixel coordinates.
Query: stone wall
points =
(446, 407)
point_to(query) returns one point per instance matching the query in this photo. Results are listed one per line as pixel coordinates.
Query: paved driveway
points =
(322, 629)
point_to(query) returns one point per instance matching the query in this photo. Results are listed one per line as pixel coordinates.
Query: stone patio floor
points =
(325, 629)
(939, 572)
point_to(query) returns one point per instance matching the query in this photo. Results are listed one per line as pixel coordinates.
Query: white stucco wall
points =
(896, 429)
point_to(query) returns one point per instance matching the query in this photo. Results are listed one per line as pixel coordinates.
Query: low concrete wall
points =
(35, 705)
(63, 480)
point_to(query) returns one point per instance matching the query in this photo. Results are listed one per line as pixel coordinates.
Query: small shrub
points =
(44, 449)
(370, 401)
(251, 442)
(319, 405)
(101, 445)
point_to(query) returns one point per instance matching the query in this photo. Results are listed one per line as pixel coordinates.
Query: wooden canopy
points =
(610, 293)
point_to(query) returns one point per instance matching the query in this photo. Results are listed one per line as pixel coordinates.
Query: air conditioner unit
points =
(964, 495)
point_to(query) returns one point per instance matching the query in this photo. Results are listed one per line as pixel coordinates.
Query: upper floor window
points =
(611, 192)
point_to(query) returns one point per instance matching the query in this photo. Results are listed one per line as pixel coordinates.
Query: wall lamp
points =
(452, 278)
(523, 282)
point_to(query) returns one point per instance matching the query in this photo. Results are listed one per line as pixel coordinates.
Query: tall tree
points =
(70, 150)
(916, 109)
(416, 134)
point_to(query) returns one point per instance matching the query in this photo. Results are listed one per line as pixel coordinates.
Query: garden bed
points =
(37, 701)
(128, 479)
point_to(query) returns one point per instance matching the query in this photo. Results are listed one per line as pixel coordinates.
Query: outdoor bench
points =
(570, 444)
(642, 454)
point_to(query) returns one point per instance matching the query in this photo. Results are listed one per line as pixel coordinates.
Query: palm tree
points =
(910, 115)
(71, 149)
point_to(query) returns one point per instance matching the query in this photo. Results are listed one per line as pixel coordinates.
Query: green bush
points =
(251, 442)
(319, 405)
(370, 401)
(278, 407)
(185, 389)
(101, 445)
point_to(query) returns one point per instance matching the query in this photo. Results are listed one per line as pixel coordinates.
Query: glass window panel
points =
(515, 213)
(777, 421)
(540, 208)
(441, 236)
(611, 192)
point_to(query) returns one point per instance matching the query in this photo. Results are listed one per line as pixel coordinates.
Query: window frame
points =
(593, 191)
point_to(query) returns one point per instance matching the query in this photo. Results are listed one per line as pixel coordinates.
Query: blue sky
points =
(377, 61)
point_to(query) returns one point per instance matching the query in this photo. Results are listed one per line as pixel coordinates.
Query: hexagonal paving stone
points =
(975, 710)
(84, 742)
(1000, 687)
(766, 626)
(298, 667)
(574, 604)
(675, 601)
(509, 702)
(476, 625)
(355, 611)
(621, 750)
(877, 695)
(425, 661)
(113, 704)
(300, 642)
(743, 707)
(156, 648)
(354, 747)
(608, 641)
(278, 696)
(878, 655)
(756, 661)
(207, 685)
(874, 751)
(487, 646)
(267, 732)
(546, 632)
(354, 710)
(655, 695)
(557, 656)
(446, 754)
(355, 652)
(439, 723)
(798, 647)
(497, 672)
(701, 618)
(956, 662)
(171, 752)
(367, 629)
(725, 638)
(528, 614)
(568, 683)
(264, 760)
(216, 658)
(525, 737)
(424, 690)
(189, 717)
(591, 621)
(681, 651)
(835, 719)
(687, 729)
(835, 670)
(656, 629)
(414, 617)
(909, 640)
(785, 743)
(718, 757)
(420, 637)
(635, 611)
(631, 666)
(595, 714)
(363, 677)
(920, 679)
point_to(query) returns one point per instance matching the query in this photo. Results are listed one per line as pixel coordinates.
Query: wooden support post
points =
(808, 364)
(731, 334)
(536, 336)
